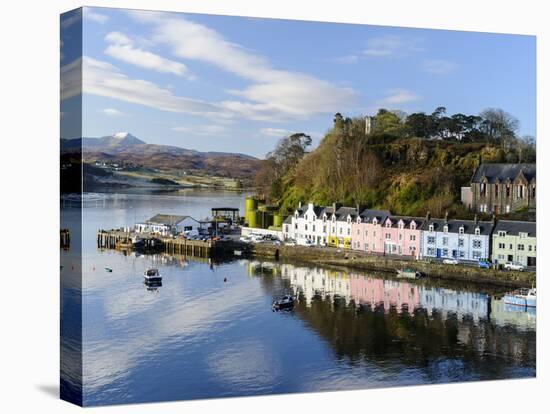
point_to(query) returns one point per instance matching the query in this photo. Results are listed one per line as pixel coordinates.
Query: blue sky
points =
(217, 83)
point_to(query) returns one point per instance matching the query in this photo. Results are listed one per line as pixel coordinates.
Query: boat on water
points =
(523, 297)
(285, 303)
(409, 273)
(152, 275)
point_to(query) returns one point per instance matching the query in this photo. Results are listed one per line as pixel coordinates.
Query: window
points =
(530, 248)
(366, 246)
(445, 252)
(461, 230)
(522, 235)
(445, 229)
(412, 237)
(511, 246)
(520, 191)
(431, 240)
(445, 241)
(366, 232)
(476, 244)
(476, 254)
(483, 189)
(413, 226)
(533, 192)
(388, 236)
(501, 234)
(502, 246)
(324, 229)
(296, 226)
(358, 232)
(496, 190)
(305, 227)
(388, 224)
(521, 247)
(349, 231)
(460, 242)
(431, 251)
(431, 228)
(501, 257)
(314, 228)
(340, 230)
(461, 254)
(334, 229)
(400, 236)
(374, 234)
(477, 231)
(412, 248)
(401, 225)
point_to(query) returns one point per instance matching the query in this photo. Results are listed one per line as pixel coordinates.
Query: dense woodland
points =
(409, 164)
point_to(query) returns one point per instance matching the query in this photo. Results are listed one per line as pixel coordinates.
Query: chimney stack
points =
(428, 216)
(446, 217)
(299, 204)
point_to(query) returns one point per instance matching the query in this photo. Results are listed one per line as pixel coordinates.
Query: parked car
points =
(290, 243)
(483, 264)
(514, 266)
(450, 261)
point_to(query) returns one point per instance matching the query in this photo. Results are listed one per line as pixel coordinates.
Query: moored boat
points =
(286, 302)
(524, 297)
(152, 275)
(409, 273)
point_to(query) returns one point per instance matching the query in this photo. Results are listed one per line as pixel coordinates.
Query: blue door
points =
(438, 253)
(454, 254)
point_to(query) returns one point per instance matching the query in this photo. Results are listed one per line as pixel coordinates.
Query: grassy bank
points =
(362, 261)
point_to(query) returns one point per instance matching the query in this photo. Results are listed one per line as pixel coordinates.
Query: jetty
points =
(150, 242)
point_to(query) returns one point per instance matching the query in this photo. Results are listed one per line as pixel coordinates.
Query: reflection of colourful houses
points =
(367, 230)
(377, 292)
(311, 281)
(448, 301)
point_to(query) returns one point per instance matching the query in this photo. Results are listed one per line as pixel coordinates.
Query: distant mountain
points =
(125, 148)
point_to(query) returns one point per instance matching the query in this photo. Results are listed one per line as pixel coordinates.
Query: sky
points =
(239, 84)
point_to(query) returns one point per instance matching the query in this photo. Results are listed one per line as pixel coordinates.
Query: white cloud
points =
(390, 45)
(121, 47)
(202, 130)
(100, 78)
(396, 97)
(275, 132)
(272, 95)
(112, 112)
(439, 66)
(95, 16)
(346, 59)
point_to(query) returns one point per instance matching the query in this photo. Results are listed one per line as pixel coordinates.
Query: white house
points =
(465, 240)
(167, 224)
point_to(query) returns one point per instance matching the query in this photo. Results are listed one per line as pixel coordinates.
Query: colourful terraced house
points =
(515, 241)
(340, 228)
(367, 231)
(402, 236)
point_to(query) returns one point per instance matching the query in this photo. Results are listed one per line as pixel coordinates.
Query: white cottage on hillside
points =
(310, 224)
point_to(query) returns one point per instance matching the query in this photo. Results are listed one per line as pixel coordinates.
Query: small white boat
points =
(152, 274)
(524, 297)
(409, 273)
(285, 303)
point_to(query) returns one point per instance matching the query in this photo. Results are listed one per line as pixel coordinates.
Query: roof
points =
(288, 220)
(502, 172)
(225, 209)
(167, 219)
(485, 227)
(407, 220)
(343, 212)
(515, 227)
(367, 215)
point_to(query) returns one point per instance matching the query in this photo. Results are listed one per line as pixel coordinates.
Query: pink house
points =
(401, 236)
(366, 231)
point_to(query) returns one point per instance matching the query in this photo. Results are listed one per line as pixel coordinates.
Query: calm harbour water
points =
(200, 337)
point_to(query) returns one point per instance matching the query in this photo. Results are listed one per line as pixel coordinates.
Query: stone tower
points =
(368, 125)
